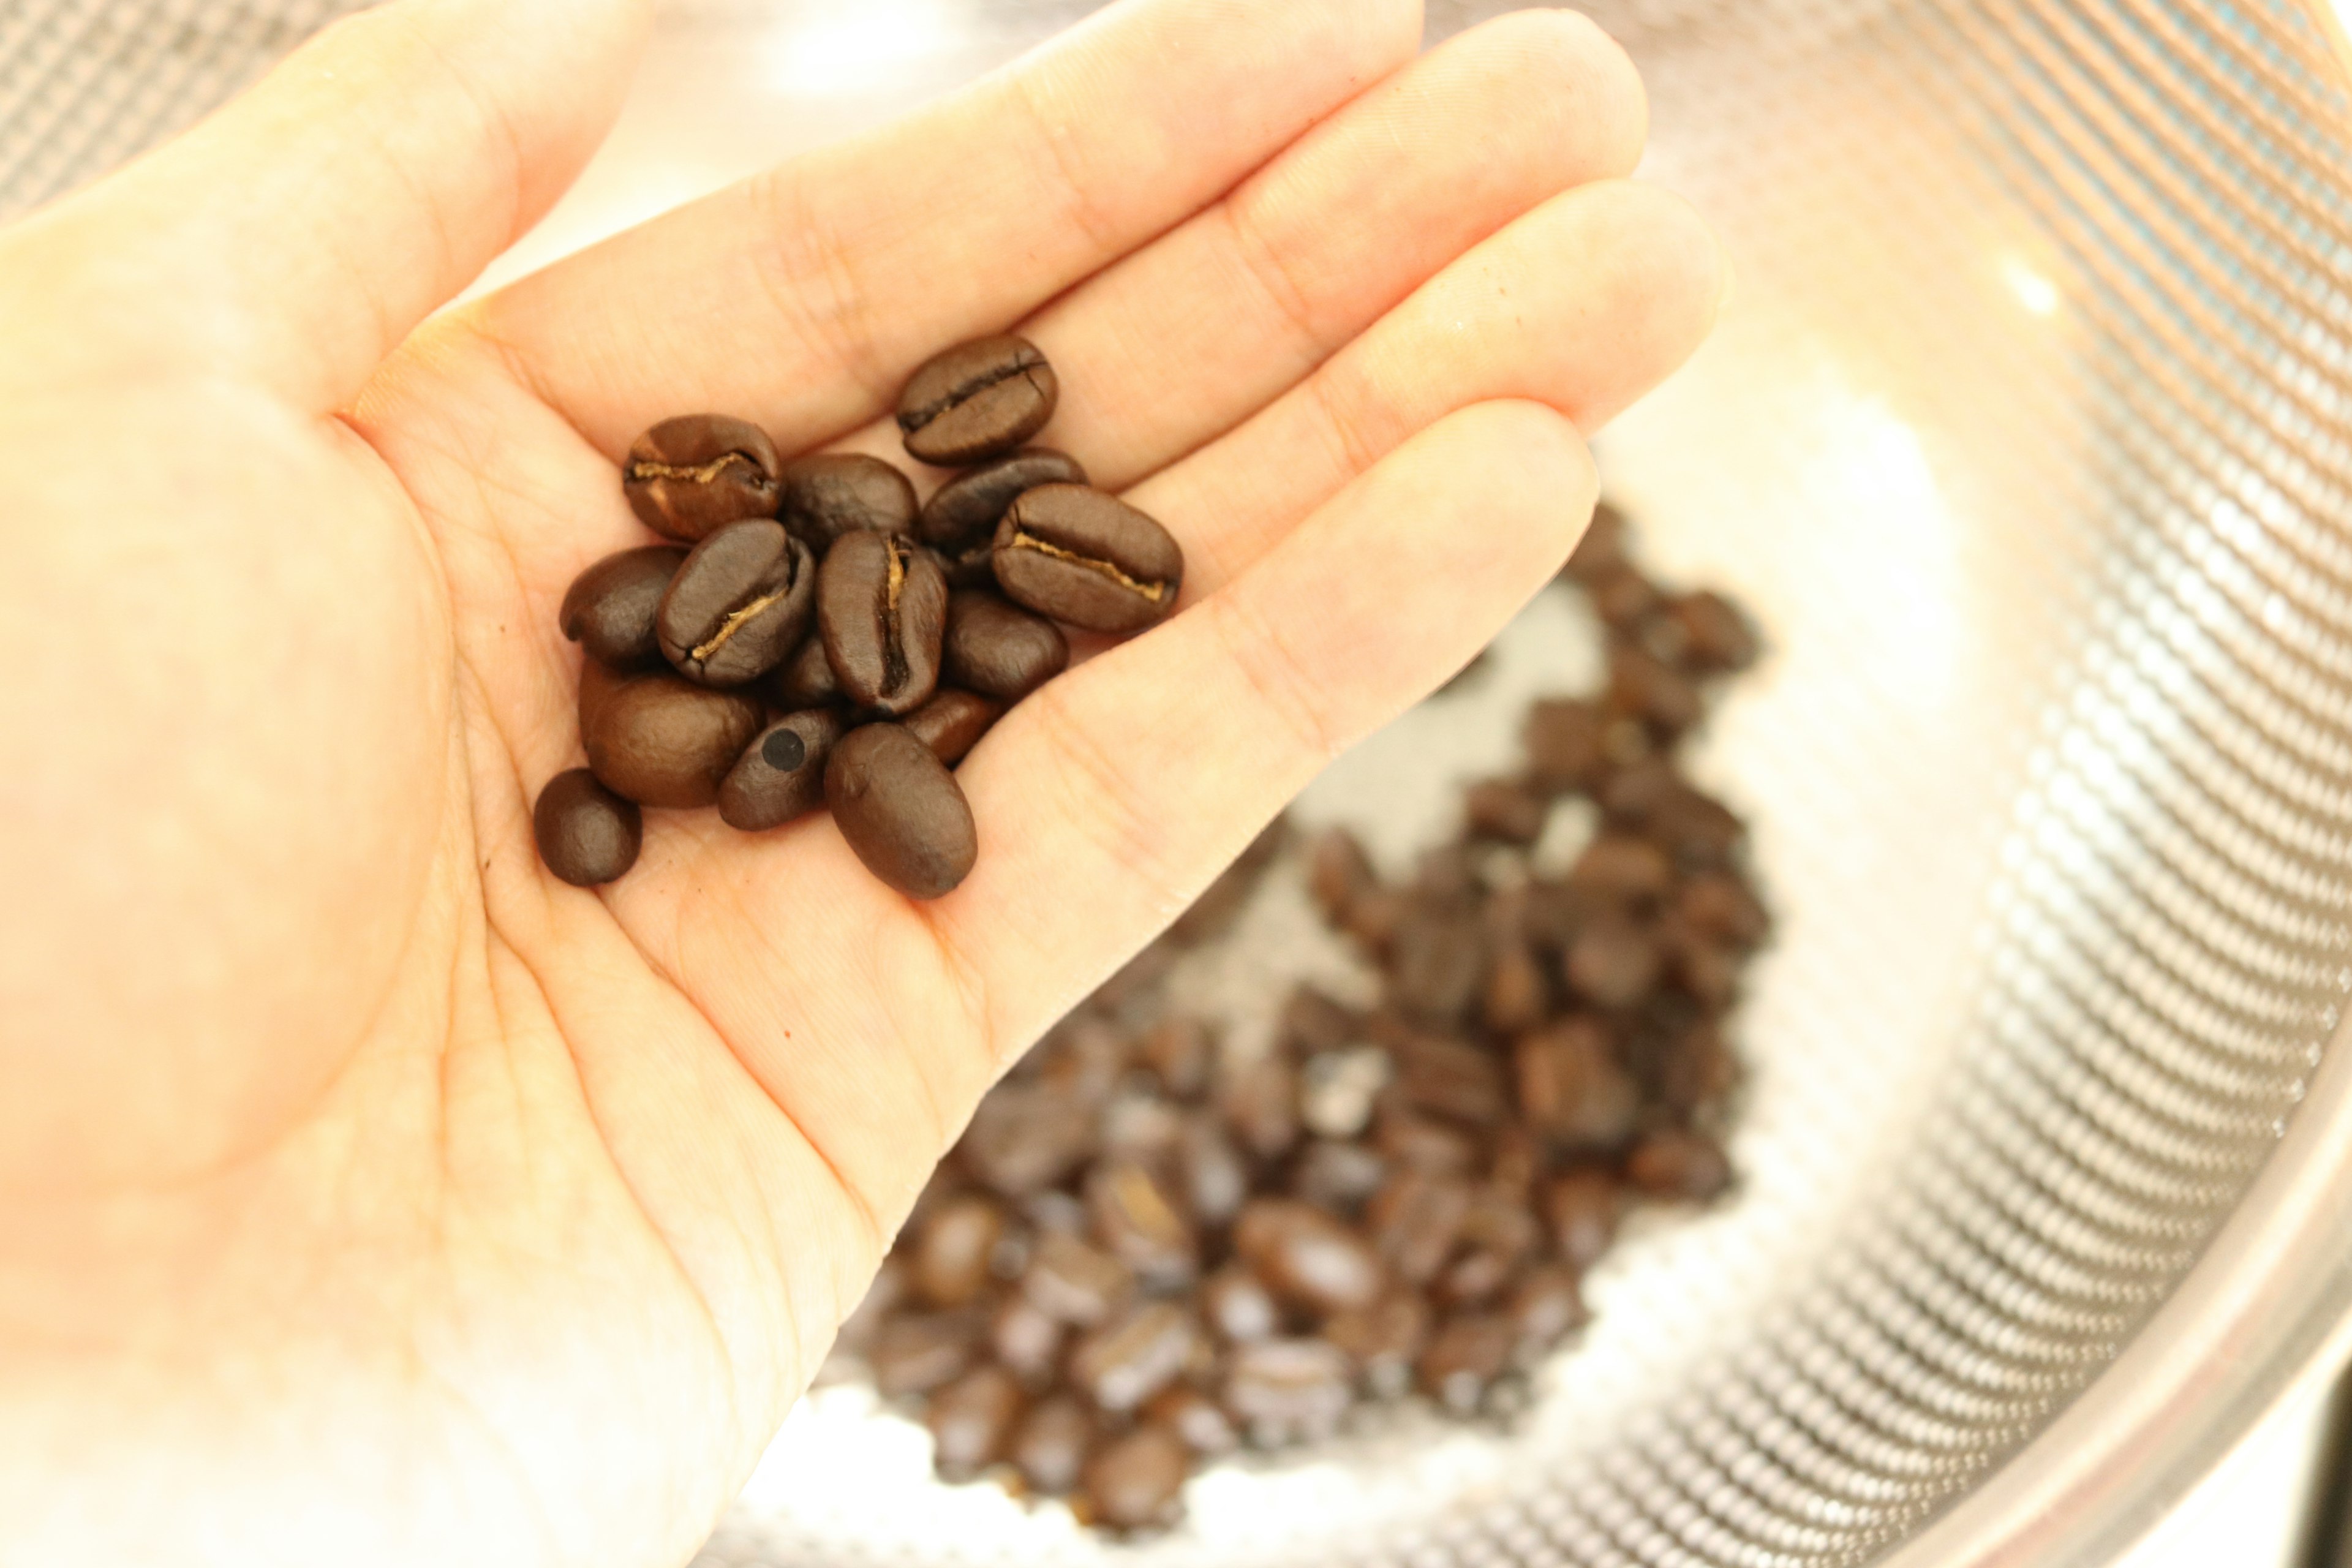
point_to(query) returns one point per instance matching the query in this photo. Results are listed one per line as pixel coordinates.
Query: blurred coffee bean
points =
(1238, 1306)
(1307, 1257)
(1415, 1221)
(1614, 962)
(1179, 1052)
(1336, 1090)
(1133, 1357)
(976, 401)
(1717, 639)
(1565, 744)
(1506, 810)
(917, 1353)
(1282, 1391)
(1582, 1206)
(1497, 1234)
(1546, 1308)
(689, 476)
(828, 494)
(1050, 1446)
(1313, 1022)
(953, 1249)
(1138, 1224)
(1623, 869)
(1719, 905)
(1026, 1340)
(1024, 1138)
(1340, 873)
(1438, 963)
(1338, 1174)
(1261, 1104)
(1680, 1165)
(1449, 1078)
(1625, 601)
(609, 608)
(1216, 1179)
(1465, 1357)
(1131, 1484)
(1413, 1142)
(1384, 1340)
(1194, 1417)
(1571, 1086)
(1602, 550)
(1073, 1283)
(972, 1421)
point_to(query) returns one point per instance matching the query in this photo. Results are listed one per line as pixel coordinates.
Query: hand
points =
(368, 1195)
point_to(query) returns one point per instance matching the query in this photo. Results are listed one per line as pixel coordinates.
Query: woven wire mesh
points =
(2029, 438)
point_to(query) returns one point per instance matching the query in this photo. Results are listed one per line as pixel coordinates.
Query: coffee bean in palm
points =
(1282, 1391)
(1088, 558)
(972, 1421)
(1307, 1257)
(739, 605)
(609, 608)
(829, 494)
(901, 811)
(1050, 1446)
(952, 722)
(781, 775)
(881, 607)
(803, 680)
(598, 681)
(1132, 1483)
(976, 401)
(998, 650)
(960, 520)
(689, 476)
(659, 741)
(586, 834)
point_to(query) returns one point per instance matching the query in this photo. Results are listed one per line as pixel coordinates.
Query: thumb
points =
(297, 236)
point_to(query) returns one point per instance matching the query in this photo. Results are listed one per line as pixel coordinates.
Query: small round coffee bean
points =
(901, 811)
(609, 608)
(976, 401)
(828, 494)
(1088, 558)
(1133, 1482)
(586, 834)
(997, 650)
(659, 741)
(804, 680)
(952, 722)
(881, 607)
(781, 775)
(960, 520)
(738, 605)
(687, 476)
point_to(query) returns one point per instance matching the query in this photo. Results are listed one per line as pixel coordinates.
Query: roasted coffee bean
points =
(1026, 1137)
(972, 1420)
(1717, 639)
(1261, 1104)
(1497, 1234)
(1571, 1086)
(1415, 1221)
(997, 650)
(586, 834)
(689, 476)
(1640, 687)
(1337, 1174)
(803, 680)
(1179, 1051)
(960, 520)
(1671, 1164)
(1285, 1390)
(781, 775)
(1072, 1282)
(1125, 1362)
(1384, 1340)
(917, 1353)
(1312, 1022)
(1440, 961)
(952, 722)
(828, 494)
(881, 607)
(1567, 745)
(977, 401)
(1135, 1223)
(658, 741)
(1602, 550)
(1409, 1141)
(1088, 558)
(1239, 1307)
(900, 808)
(1506, 810)
(1614, 963)
(1338, 1089)
(1546, 1308)
(1465, 1357)
(609, 608)
(1307, 1257)
(1625, 601)
(1132, 1483)
(1719, 905)
(1140, 1127)
(1050, 1446)
(1025, 1340)
(1517, 996)
(1449, 1078)
(1216, 1181)
(738, 605)
(1582, 1206)
(1194, 1417)
(1340, 873)
(1621, 868)
(597, 683)
(953, 1248)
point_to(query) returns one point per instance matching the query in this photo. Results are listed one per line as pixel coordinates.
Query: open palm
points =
(366, 1192)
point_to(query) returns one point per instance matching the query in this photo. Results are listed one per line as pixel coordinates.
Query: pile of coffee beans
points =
(816, 637)
(1148, 1251)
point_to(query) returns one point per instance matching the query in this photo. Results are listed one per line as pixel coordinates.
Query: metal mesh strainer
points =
(2030, 437)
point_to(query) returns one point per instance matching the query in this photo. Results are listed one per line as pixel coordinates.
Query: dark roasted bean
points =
(1439, 964)
(738, 605)
(1620, 868)
(1678, 1164)
(1570, 1086)
(1179, 1050)
(1129, 1360)
(781, 775)
(828, 494)
(803, 680)
(1582, 1206)
(1216, 1181)
(1719, 905)
(1313, 1022)
(1517, 996)
(1133, 1483)
(1602, 550)
(609, 608)
(1339, 873)
(1239, 1307)
(900, 808)
(976, 401)
(1194, 1417)
(1416, 1143)
(972, 1421)
(658, 741)
(1717, 639)
(1641, 687)
(1071, 1282)
(597, 683)
(1307, 1257)
(960, 520)
(1284, 1390)
(1261, 1103)
(1625, 601)
(952, 722)
(1566, 744)
(1449, 1078)
(1546, 1307)
(1340, 1175)
(1506, 810)
(1614, 963)
(1025, 1340)
(1384, 1340)
(997, 650)
(1136, 1222)
(1088, 558)
(1497, 1235)
(689, 476)
(1414, 1220)
(953, 1248)
(586, 834)
(1050, 1446)
(881, 607)
(1026, 1137)
(1465, 1357)
(915, 1354)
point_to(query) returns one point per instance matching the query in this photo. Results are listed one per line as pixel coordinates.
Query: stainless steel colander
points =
(2030, 438)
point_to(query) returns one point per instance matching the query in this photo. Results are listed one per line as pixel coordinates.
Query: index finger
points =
(802, 298)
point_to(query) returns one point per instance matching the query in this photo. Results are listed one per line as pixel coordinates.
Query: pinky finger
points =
(1113, 796)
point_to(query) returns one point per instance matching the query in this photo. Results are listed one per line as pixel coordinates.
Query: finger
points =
(310, 225)
(1136, 777)
(801, 299)
(1584, 304)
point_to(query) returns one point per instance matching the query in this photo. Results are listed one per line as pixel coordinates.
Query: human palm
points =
(362, 1189)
